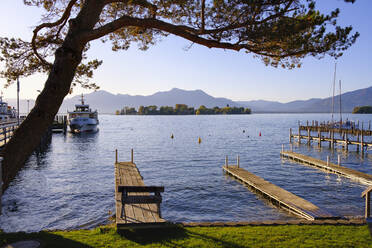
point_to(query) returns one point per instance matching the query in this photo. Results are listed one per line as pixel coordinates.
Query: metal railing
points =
(6, 131)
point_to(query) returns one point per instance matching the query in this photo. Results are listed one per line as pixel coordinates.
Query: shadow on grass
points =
(46, 239)
(163, 235)
(213, 241)
(171, 236)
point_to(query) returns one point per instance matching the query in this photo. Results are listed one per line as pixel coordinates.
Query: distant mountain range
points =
(106, 102)
(349, 100)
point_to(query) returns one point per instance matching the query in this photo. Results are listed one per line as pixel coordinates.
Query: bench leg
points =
(159, 211)
(123, 212)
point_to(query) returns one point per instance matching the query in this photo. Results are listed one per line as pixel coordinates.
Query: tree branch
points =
(203, 15)
(179, 30)
(62, 20)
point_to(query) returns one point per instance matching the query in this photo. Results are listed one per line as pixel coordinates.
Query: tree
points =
(181, 109)
(280, 32)
(362, 110)
(141, 110)
(152, 110)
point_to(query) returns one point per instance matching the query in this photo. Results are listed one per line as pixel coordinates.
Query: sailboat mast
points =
(333, 96)
(340, 106)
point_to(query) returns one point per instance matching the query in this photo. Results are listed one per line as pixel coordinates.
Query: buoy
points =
(172, 136)
(260, 134)
(199, 140)
(243, 131)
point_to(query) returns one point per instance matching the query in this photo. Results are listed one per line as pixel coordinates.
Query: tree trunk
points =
(27, 137)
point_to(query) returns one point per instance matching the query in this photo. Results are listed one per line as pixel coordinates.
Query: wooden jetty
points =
(325, 132)
(326, 165)
(135, 207)
(283, 198)
(59, 124)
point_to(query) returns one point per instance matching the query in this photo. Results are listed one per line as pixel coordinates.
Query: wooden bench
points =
(140, 199)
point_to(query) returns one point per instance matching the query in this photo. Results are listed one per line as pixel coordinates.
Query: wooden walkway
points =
(285, 199)
(142, 214)
(331, 140)
(340, 170)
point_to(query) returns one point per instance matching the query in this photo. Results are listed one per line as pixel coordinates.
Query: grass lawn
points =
(176, 236)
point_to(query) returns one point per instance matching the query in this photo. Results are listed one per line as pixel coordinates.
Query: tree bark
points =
(27, 137)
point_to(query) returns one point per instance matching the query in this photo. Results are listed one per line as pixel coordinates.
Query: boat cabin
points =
(82, 108)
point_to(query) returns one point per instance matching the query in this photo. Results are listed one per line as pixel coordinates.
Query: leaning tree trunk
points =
(27, 137)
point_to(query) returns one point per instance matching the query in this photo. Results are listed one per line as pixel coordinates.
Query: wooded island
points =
(362, 110)
(182, 109)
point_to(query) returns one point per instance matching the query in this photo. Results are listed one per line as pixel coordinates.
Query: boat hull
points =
(83, 125)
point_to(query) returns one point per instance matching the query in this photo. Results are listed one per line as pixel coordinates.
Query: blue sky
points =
(234, 75)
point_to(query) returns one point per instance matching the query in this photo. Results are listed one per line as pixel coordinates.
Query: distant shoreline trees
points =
(362, 110)
(182, 109)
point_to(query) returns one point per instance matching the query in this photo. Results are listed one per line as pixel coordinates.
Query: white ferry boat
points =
(6, 112)
(83, 119)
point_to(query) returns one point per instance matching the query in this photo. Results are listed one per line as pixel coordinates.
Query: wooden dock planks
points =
(340, 170)
(285, 199)
(326, 139)
(136, 215)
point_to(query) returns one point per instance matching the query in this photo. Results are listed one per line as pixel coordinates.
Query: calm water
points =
(72, 184)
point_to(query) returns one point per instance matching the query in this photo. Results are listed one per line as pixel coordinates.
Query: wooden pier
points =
(59, 124)
(326, 165)
(328, 133)
(135, 207)
(283, 198)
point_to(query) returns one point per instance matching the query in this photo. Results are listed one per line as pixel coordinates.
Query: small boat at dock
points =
(83, 119)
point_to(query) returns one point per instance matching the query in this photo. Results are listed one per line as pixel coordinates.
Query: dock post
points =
(290, 135)
(116, 156)
(361, 143)
(1, 180)
(131, 155)
(330, 134)
(282, 147)
(369, 125)
(320, 137)
(299, 133)
(327, 160)
(346, 142)
(291, 145)
(339, 160)
(64, 124)
(226, 161)
(332, 139)
(357, 147)
(368, 205)
(237, 161)
(308, 136)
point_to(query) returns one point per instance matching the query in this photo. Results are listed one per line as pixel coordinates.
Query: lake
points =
(71, 185)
